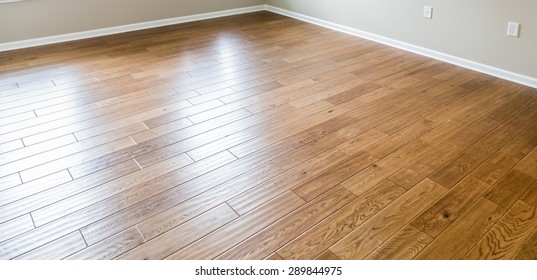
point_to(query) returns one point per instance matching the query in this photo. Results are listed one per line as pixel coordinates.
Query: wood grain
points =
(449, 207)
(111, 247)
(528, 250)
(510, 188)
(57, 249)
(258, 136)
(459, 238)
(283, 231)
(504, 239)
(177, 238)
(404, 245)
(220, 241)
(328, 232)
(366, 238)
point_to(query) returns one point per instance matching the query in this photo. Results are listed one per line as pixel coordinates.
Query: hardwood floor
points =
(260, 137)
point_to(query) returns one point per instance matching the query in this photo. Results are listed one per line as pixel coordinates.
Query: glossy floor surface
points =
(258, 136)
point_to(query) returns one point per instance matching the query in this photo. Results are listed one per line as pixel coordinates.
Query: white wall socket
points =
(428, 12)
(513, 29)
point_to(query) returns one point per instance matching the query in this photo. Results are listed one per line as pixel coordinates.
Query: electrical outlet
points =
(428, 12)
(513, 29)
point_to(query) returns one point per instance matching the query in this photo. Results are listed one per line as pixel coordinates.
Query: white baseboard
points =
(476, 66)
(124, 28)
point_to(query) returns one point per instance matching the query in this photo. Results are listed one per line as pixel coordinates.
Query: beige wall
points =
(40, 18)
(474, 30)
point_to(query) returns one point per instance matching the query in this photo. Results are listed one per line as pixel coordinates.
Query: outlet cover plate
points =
(428, 12)
(513, 29)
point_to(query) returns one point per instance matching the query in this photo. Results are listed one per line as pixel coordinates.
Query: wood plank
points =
(73, 159)
(530, 197)
(179, 237)
(363, 240)
(439, 215)
(457, 240)
(265, 191)
(473, 133)
(218, 242)
(495, 167)
(476, 154)
(333, 176)
(504, 239)
(122, 98)
(264, 243)
(528, 164)
(61, 152)
(111, 247)
(183, 140)
(153, 133)
(325, 234)
(57, 249)
(16, 118)
(81, 200)
(510, 188)
(51, 195)
(10, 181)
(156, 196)
(11, 146)
(528, 250)
(274, 257)
(15, 227)
(417, 171)
(521, 146)
(28, 189)
(389, 165)
(404, 245)
(37, 149)
(328, 256)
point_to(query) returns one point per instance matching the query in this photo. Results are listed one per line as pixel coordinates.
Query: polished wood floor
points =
(258, 136)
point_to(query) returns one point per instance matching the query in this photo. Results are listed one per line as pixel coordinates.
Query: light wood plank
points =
(10, 181)
(263, 244)
(79, 201)
(15, 227)
(179, 237)
(221, 240)
(111, 247)
(159, 193)
(57, 249)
